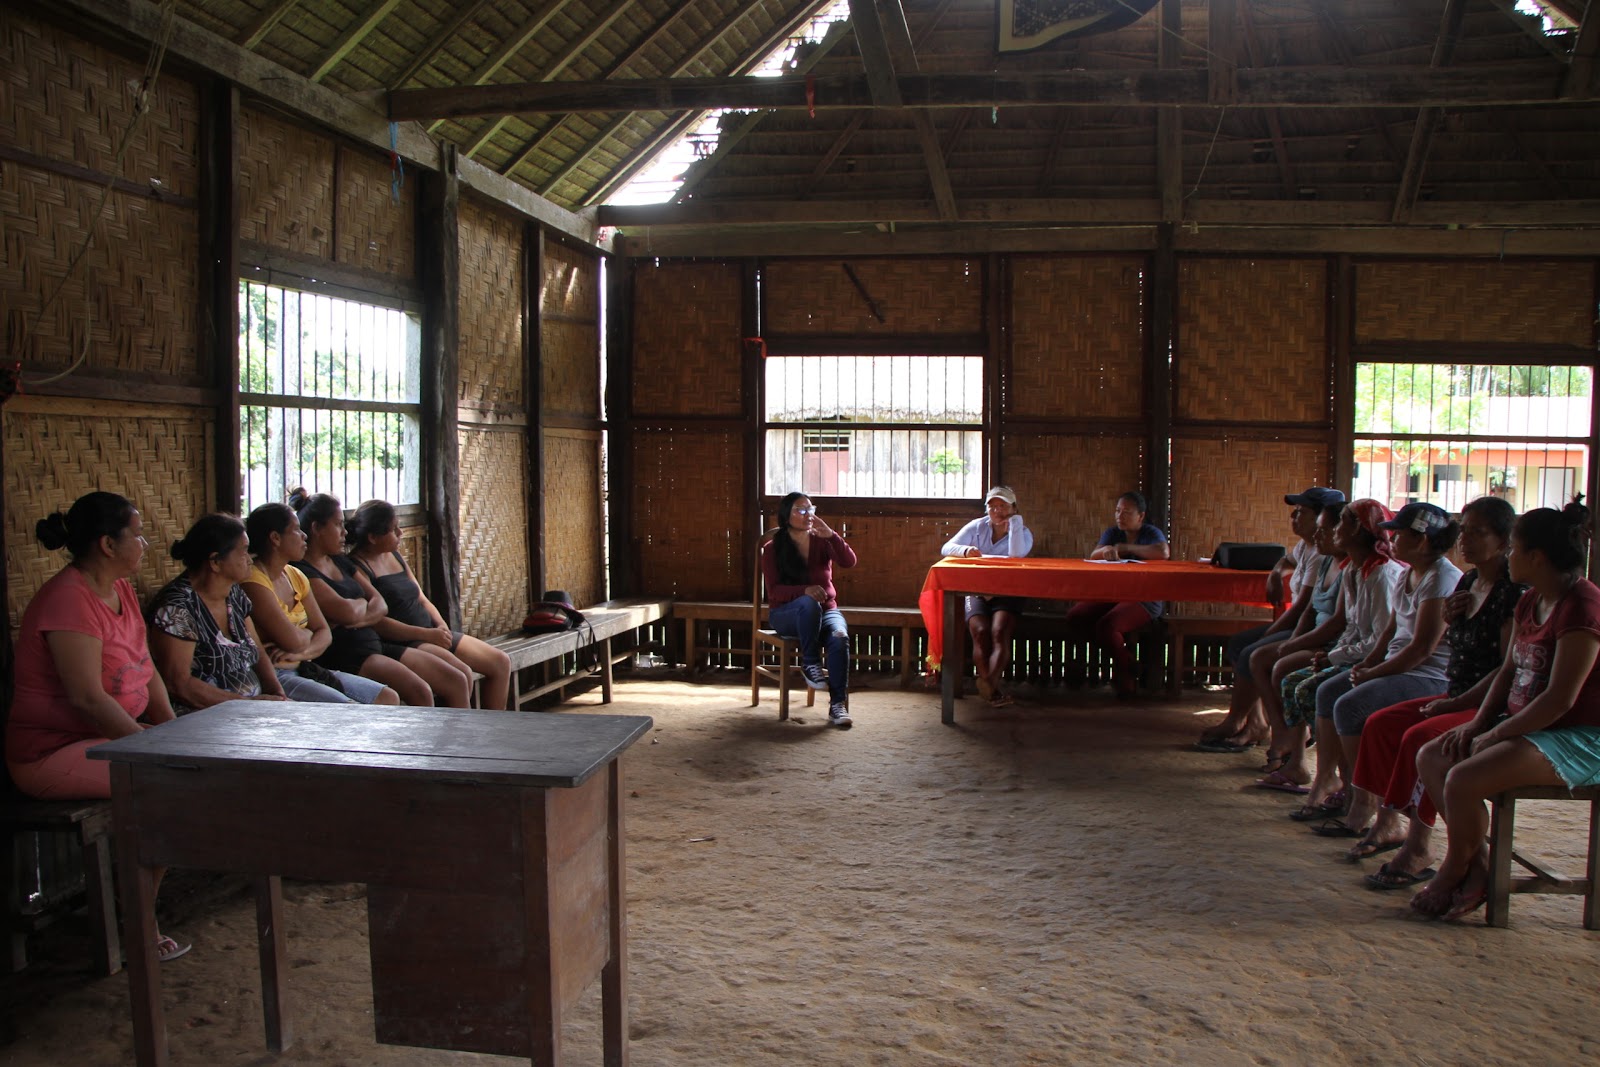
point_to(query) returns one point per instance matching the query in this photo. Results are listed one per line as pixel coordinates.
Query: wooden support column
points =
(219, 273)
(1342, 324)
(439, 253)
(1405, 197)
(619, 419)
(533, 399)
(753, 374)
(997, 367)
(1163, 299)
(1169, 120)
(1580, 75)
(1222, 65)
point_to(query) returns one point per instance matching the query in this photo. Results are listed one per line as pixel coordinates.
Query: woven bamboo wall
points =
(377, 229)
(285, 176)
(893, 555)
(1077, 340)
(569, 348)
(686, 339)
(1220, 493)
(494, 530)
(574, 527)
(489, 352)
(816, 296)
(1252, 341)
(1067, 487)
(691, 536)
(1476, 300)
(56, 450)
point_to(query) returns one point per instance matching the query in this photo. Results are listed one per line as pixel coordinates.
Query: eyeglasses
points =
(805, 511)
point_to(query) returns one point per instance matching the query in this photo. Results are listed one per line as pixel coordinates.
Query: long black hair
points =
(792, 567)
(1563, 536)
(313, 510)
(211, 536)
(266, 520)
(372, 519)
(91, 517)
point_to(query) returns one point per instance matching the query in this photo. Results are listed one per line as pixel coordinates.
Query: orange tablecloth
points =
(1077, 579)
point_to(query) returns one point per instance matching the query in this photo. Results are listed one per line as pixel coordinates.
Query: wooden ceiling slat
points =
(1580, 75)
(353, 37)
(439, 40)
(253, 34)
(510, 47)
(1428, 117)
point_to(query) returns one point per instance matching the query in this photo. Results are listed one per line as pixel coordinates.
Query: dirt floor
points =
(1059, 882)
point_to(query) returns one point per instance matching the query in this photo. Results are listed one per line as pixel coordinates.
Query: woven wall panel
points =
(377, 231)
(55, 451)
(1476, 300)
(574, 530)
(691, 534)
(1232, 490)
(1252, 340)
(494, 530)
(893, 555)
(1067, 487)
(569, 352)
(816, 296)
(571, 282)
(1077, 337)
(285, 186)
(686, 339)
(67, 99)
(490, 351)
(134, 297)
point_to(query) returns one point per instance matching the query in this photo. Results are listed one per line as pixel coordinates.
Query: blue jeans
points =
(820, 633)
(357, 690)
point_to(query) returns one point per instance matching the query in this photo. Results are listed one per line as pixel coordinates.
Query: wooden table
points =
(950, 580)
(491, 844)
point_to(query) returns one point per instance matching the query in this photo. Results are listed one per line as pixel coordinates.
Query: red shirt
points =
(1533, 651)
(42, 719)
(823, 554)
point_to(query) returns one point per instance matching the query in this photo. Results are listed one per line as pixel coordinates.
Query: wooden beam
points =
(219, 229)
(874, 47)
(1333, 33)
(903, 54)
(502, 55)
(352, 38)
(1280, 149)
(1520, 85)
(1169, 121)
(1222, 53)
(439, 262)
(1579, 81)
(1161, 351)
(834, 150)
(1405, 197)
(1533, 26)
(573, 49)
(255, 32)
(437, 40)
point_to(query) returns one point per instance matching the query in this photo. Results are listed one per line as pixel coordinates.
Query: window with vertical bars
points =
(329, 397)
(900, 426)
(1448, 433)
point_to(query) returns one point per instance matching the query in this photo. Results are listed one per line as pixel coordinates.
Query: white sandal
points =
(168, 950)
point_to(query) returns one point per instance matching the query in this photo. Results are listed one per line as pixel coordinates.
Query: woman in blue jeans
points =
(797, 564)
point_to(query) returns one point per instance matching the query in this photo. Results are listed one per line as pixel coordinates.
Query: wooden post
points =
(619, 420)
(533, 392)
(997, 366)
(438, 242)
(1342, 321)
(219, 290)
(1158, 371)
(1169, 120)
(753, 380)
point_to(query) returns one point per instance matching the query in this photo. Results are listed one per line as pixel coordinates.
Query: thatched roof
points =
(1238, 112)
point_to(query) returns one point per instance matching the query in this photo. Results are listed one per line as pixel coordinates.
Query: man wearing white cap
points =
(993, 619)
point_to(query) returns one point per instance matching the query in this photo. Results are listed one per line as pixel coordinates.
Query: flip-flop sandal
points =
(1335, 828)
(1282, 783)
(1367, 849)
(168, 950)
(1461, 906)
(1331, 808)
(1001, 699)
(1386, 877)
(1232, 748)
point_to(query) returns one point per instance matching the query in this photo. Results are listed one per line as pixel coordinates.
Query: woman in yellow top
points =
(287, 616)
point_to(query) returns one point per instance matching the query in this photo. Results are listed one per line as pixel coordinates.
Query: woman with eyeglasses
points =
(797, 566)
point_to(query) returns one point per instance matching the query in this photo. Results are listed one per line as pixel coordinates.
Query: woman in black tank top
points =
(411, 619)
(350, 603)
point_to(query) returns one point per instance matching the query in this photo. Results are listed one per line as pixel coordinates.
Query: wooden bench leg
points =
(1176, 661)
(102, 903)
(1501, 824)
(1591, 899)
(273, 948)
(905, 657)
(691, 641)
(605, 671)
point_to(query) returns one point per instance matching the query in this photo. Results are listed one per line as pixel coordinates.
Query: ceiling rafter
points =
(444, 36)
(1280, 150)
(558, 63)
(1222, 52)
(885, 41)
(834, 151)
(351, 39)
(1169, 122)
(1342, 52)
(1532, 26)
(508, 48)
(254, 33)
(1405, 197)
(1580, 75)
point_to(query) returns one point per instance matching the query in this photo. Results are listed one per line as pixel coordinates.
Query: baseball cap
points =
(1315, 497)
(1420, 517)
(1001, 492)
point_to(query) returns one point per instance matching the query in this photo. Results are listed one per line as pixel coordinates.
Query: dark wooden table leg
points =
(139, 915)
(950, 670)
(544, 1003)
(274, 974)
(614, 975)
(102, 903)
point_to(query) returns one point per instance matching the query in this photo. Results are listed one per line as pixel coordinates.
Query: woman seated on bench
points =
(413, 621)
(351, 605)
(1109, 625)
(797, 566)
(993, 619)
(83, 669)
(200, 632)
(286, 615)
(1540, 723)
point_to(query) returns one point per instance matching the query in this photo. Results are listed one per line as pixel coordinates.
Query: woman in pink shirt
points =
(83, 670)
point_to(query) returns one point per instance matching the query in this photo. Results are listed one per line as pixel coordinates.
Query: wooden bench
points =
(1502, 852)
(89, 824)
(1178, 631)
(604, 622)
(695, 613)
